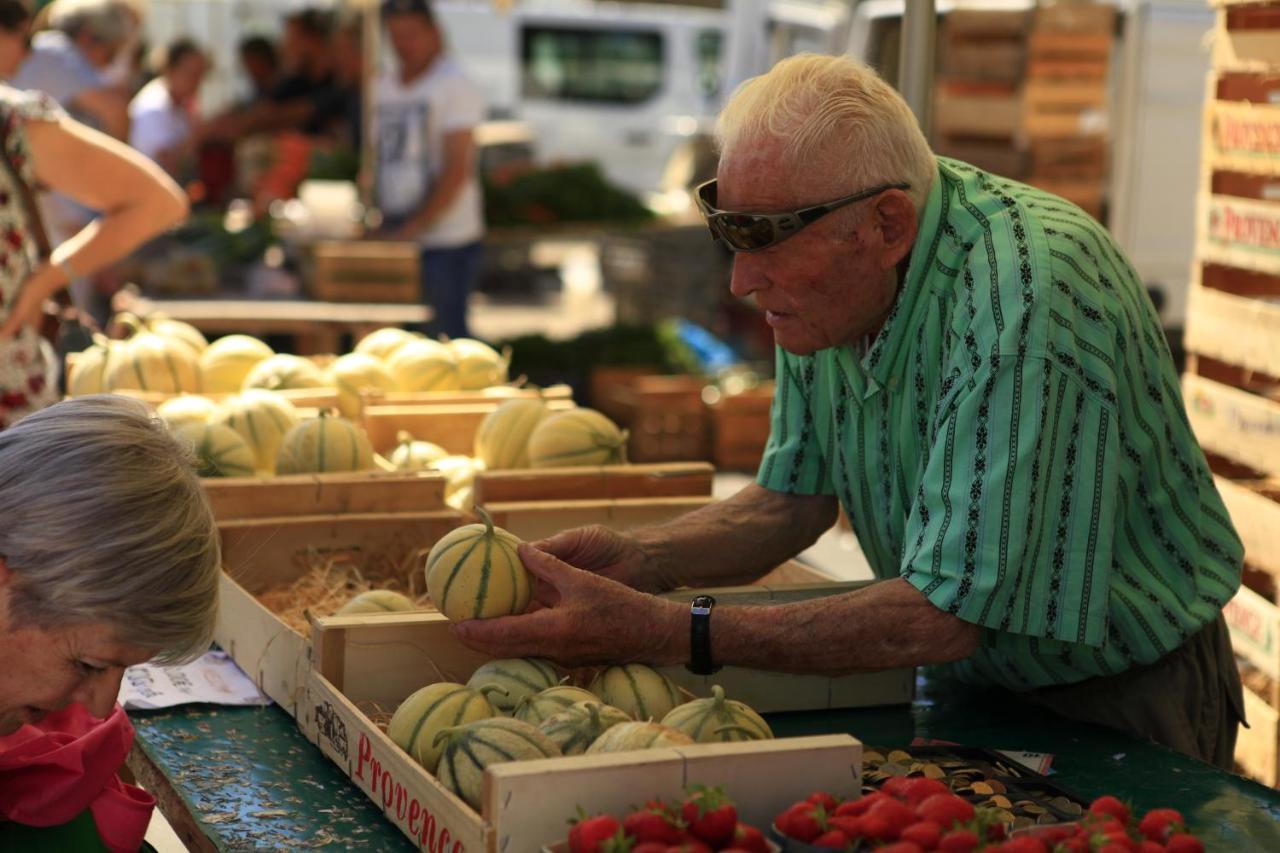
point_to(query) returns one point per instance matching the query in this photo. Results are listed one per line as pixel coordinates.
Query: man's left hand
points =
(593, 621)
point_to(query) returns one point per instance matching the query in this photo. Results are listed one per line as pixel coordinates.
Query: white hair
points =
(824, 105)
(103, 520)
(107, 21)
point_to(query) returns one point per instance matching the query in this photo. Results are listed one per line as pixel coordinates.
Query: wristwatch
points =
(700, 636)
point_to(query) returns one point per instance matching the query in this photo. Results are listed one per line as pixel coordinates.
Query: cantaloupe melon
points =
(502, 439)
(186, 409)
(378, 601)
(468, 750)
(431, 710)
(718, 719)
(628, 737)
(354, 373)
(324, 444)
(89, 374)
(577, 727)
(413, 455)
(220, 451)
(517, 677)
(460, 477)
(640, 690)
(167, 327)
(282, 372)
(576, 437)
(474, 572)
(227, 361)
(479, 365)
(262, 418)
(538, 707)
(149, 362)
(423, 365)
(382, 343)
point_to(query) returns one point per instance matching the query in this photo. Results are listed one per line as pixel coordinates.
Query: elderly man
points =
(972, 369)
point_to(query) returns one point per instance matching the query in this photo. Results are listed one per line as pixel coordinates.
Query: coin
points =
(1002, 802)
(983, 788)
(900, 757)
(933, 771)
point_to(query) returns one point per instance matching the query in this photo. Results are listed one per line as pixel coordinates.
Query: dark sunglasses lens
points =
(745, 232)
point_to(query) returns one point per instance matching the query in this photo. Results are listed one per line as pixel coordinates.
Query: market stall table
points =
(245, 778)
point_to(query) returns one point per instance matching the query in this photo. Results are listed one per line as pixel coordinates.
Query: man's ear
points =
(895, 217)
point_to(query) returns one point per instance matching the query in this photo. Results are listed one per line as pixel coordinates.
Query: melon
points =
(220, 451)
(517, 677)
(354, 373)
(431, 710)
(547, 703)
(282, 372)
(474, 572)
(89, 374)
(577, 727)
(186, 409)
(718, 719)
(165, 326)
(479, 365)
(628, 737)
(228, 360)
(424, 365)
(413, 455)
(467, 750)
(382, 343)
(502, 439)
(460, 478)
(262, 418)
(149, 362)
(640, 690)
(577, 437)
(324, 444)
(378, 601)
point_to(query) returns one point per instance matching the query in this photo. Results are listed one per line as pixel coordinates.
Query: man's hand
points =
(594, 620)
(606, 552)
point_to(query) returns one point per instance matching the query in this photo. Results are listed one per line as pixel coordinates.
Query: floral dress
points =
(25, 360)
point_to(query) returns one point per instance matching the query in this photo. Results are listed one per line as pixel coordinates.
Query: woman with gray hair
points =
(109, 557)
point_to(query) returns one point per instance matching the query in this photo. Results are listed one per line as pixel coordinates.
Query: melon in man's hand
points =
(474, 572)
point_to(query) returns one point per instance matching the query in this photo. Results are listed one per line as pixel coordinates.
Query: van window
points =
(710, 62)
(580, 64)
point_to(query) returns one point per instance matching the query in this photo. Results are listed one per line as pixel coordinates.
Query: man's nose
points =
(748, 276)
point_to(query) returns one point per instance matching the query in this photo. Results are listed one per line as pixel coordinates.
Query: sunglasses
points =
(751, 232)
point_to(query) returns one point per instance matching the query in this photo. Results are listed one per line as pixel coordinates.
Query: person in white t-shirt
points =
(161, 115)
(427, 184)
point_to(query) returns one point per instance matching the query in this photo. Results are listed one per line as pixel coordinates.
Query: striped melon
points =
(322, 445)
(89, 374)
(468, 750)
(413, 455)
(419, 720)
(262, 418)
(718, 719)
(354, 373)
(628, 737)
(474, 573)
(186, 409)
(518, 677)
(424, 365)
(378, 601)
(640, 690)
(577, 727)
(227, 361)
(220, 451)
(577, 437)
(149, 362)
(460, 478)
(382, 343)
(479, 365)
(281, 372)
(167, 327)
(547, 703)
(502, 440)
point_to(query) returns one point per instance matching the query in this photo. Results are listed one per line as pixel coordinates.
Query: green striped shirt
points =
(1014, 443)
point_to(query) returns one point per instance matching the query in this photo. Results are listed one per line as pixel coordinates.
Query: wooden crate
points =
(1234, 424)
(1058, 108)
(1254, 506)
(1070, 157)
(1247, 38)
(672, 479)
(365, 271)
(1254, 621)
(1086, 18)
(1258, 745)
(325, 494)
(361, 665)
(496, 395)
(1004, 157)
(1242, 123)
(740, 428)
(664, 415)
(306, 400)
(1234, 329)
(451, 425)
(977, 112)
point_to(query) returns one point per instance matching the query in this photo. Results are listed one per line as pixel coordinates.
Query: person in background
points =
(162, 114)
(345, 110)
(15, 36)
(427, 185)
(260, 64)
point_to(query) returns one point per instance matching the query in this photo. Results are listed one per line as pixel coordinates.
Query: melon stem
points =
(717, 697)
(486, 518)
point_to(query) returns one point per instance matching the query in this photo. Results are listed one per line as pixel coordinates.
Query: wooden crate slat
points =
(1240, 232)
(1257, 519)
(983, 116)
(674, 479)
(532, 520)
(1243, 137)
(1257, 746)
(1255, 630)
(497, 393)
(269, 651)
(1240, 426)
(325, 494)
(1235, 329)
(453, 426)
(1252, 49)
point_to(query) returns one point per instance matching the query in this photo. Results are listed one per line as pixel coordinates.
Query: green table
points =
(247, 779)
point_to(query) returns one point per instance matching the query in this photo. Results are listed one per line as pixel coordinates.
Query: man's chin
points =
(10, 722)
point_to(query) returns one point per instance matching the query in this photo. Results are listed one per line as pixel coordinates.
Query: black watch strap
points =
(700, 662)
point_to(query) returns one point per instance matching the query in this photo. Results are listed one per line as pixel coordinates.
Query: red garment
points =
(52, 771)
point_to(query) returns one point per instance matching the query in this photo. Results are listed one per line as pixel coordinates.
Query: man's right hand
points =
(605, 552)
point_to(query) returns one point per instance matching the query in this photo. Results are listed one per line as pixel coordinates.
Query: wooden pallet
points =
(365, 271)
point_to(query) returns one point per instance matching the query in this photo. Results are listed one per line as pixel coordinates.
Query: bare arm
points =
(459, 164)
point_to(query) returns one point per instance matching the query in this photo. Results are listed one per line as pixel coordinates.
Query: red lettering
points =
(364, 752)
(415, 815)
(375, 773)
(457, 847)
(444, 839)
(428, 831)
(388, 790)
(401, 797)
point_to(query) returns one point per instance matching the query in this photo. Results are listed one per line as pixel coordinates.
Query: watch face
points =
(703, 601)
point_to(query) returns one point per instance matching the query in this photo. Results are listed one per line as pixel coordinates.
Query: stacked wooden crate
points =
(1232, 386)
(977, 105)
(1064, 111)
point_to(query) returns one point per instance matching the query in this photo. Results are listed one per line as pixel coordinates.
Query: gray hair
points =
(107, 21)
(103, 520)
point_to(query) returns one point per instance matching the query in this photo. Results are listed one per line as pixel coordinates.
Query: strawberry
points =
(832, 839)
(853, 808)
(1150, 847)
(1119, 839)
(901, 847)
(1072, 845)
(896, 787)
(649, 847)
(946, 810)
(917, 790)
(875, 827)
(1159, 824)
(691, 845)
(709, 815)
(1023, 844)
(898, 816)
(1111, 807)
(749, 839)
(850, 826)
(1113, 847)
(1182, 843)
(926, 833)
(649, 825)
(588, 834)
(803, 822)
(959, 841)
(822, 798)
